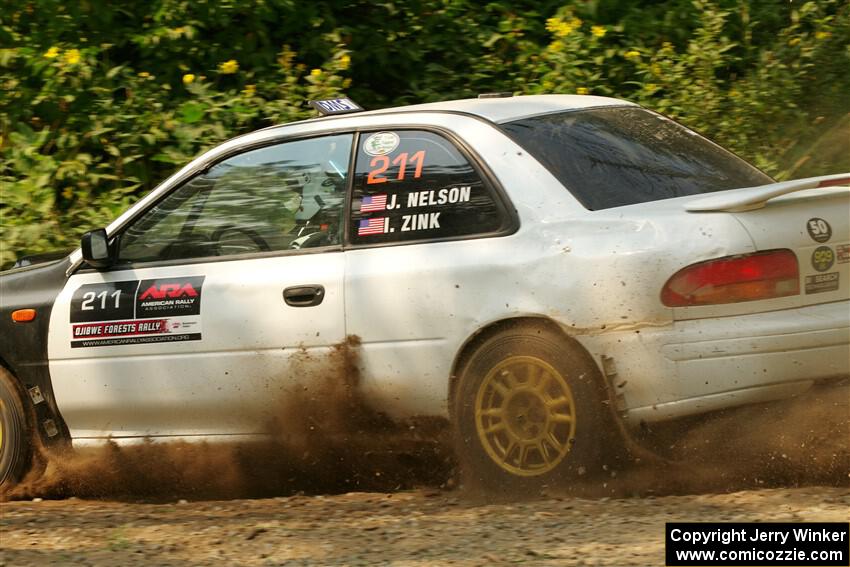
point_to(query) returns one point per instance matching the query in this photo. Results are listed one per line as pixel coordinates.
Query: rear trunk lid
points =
(815, 224)
(809, 216)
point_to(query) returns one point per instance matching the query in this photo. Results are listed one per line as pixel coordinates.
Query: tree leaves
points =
(96, 105)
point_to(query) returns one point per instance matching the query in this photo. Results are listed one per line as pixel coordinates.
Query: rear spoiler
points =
(749, 198)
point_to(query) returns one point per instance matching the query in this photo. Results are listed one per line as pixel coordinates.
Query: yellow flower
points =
(316, 73)
(72, 56)
(656, 69)
(344, 62)
(188, 79)
(575, 22)
(822, 34)
(793, 41)
(651, 87)
(144, 74)
(564, 30)
(548, 85)
(559, 27)
(249, 90)
(52, 53)
(598, 31)
(633, 54)
(229, 67)
(582, 90)
(285, 57)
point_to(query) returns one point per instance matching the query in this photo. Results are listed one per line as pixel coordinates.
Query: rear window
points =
(609, 157)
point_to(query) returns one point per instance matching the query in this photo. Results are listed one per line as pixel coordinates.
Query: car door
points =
(420, 269)
(226, 296)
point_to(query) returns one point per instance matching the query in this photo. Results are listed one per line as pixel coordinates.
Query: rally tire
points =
(15, 446)
(528, 412)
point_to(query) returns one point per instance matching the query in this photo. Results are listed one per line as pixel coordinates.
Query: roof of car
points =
(502, 109)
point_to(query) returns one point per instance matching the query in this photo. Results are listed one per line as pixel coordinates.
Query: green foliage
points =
(101, 101)
(769, 104)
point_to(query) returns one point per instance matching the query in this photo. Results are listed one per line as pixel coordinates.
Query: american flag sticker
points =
(373, 203)
(379, 225)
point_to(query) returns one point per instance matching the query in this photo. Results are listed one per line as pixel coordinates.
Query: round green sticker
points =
(381, 143)
(822, 258)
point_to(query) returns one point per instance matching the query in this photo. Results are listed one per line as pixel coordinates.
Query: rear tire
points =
(15, 445)
(528, 412)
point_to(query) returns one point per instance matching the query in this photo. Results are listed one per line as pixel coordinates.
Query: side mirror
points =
(95, 247)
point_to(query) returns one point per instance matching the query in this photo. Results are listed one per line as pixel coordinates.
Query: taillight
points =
(762, 275)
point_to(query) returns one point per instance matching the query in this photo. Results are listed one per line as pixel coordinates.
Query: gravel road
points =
(358, 499)
(419, 527)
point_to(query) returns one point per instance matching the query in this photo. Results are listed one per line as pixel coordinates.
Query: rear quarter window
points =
(610, 157)
(413, 185)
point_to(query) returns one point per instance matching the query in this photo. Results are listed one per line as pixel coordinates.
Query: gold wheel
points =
(525, 416)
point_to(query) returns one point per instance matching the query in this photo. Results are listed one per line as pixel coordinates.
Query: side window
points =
(415, 185)
(282, 197)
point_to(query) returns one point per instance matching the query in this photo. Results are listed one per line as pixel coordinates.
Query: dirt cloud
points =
(803, 441)
(327, 440)
(324, 439)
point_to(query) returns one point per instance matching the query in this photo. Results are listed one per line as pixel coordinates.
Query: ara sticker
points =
(169, 297)
(381, 143)
(819, 229)
(820, 283)
(136, 312)
(823, 258)
(843, 253)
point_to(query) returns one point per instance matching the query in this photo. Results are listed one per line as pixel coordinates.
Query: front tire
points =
(528, 411)
(15, 446)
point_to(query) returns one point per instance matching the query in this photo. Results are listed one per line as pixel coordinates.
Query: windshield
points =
(609, 157)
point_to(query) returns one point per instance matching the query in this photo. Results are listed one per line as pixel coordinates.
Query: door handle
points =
(304, 295)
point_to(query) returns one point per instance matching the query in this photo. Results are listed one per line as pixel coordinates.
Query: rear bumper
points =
(695, 366)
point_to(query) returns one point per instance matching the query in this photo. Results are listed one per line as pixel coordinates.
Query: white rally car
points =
(540, 270)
